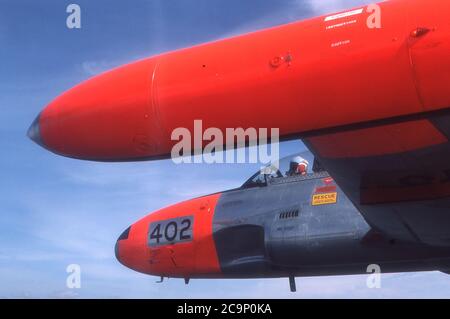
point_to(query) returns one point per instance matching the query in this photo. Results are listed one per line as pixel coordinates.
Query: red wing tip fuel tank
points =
(367, 89)
(372, 63)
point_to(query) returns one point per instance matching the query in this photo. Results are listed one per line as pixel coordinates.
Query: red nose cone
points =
(110, 117)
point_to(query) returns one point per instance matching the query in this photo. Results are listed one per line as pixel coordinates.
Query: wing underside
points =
(396, 173)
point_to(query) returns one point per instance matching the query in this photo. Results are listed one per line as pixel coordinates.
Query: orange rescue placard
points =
(324, 199)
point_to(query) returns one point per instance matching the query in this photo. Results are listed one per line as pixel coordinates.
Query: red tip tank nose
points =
(110, 117)
(34, 132)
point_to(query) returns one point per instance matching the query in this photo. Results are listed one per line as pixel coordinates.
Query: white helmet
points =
(299, 160)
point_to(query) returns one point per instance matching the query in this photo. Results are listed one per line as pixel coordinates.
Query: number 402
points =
(175, 230)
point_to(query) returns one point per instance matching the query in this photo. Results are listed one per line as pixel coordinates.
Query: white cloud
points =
(290, 11)
(330, 6)
(92, 68)
(95, 67)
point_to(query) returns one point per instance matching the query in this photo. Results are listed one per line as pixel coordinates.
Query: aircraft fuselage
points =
(290, 226)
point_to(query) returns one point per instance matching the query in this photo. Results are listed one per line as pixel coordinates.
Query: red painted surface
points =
(380, 140)
(430, 53)
(187, 259)
(405, 193)
(105, 117)
(299, 77)
(394, 187)
(325, 189)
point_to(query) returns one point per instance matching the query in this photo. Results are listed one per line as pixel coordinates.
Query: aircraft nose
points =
(117, 248)
(116, 251)
(34, 131)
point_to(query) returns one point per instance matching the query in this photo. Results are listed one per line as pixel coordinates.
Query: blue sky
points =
(57, 211)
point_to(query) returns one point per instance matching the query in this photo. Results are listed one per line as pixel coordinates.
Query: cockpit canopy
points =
(284, 169)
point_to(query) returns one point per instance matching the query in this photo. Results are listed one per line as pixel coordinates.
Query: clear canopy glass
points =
(284, 168)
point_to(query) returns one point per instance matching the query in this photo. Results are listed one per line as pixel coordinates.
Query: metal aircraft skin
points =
(273, 226)
(367, 90)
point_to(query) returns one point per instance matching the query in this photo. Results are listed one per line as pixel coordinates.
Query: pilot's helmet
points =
(298, 160)
(298, 165)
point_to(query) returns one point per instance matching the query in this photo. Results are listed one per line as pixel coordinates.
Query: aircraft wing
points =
(396, 173)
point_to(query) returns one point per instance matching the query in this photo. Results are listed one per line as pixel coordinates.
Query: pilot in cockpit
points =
(298, 166)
